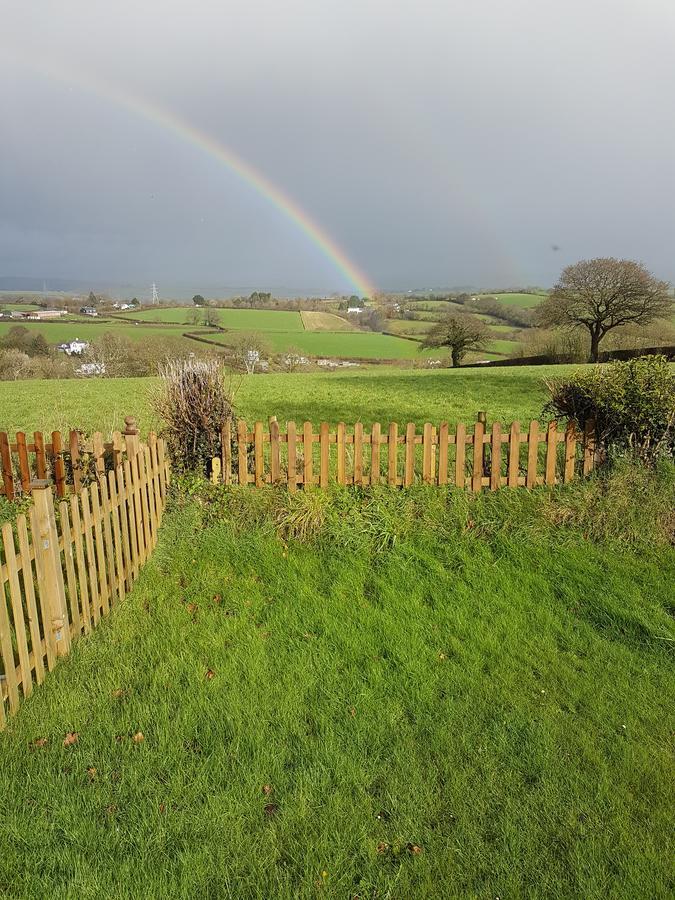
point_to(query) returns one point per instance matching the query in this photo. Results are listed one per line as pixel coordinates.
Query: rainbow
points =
(189, 133)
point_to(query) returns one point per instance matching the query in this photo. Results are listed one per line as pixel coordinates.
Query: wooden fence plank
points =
(324, 448)
(275, 453)
(117, 532)
(17, 609)
(443, 453)
(52, 589)
(242, 451)
(91, 557)
(532, 455)
(551, 452)
(292, 438)
(58, 464)
(58, 600)
(427, 454)
(460, 455)
(75, 461)
(358, 453)
(570, 452)
(117, 447)
(85, 611)
(226, 451)
(146, 520)
(477, 467)
(409, 470)
(131, 513)
(69, 560)
(375, 444)
(127, 561)
(6, 464)
(107, 538)
(514, 455)
(101, 561)
(308, 476)
(341, 453)
(392, 455)
(98, 452)
(496, 457)
(43, 591)
(30, 602)
(24, 467)
(258, 457)
(7, 653)
(40, 455)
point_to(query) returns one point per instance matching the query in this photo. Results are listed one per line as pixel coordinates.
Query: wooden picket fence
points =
(470, 458)
(68, 460)
(64, 567)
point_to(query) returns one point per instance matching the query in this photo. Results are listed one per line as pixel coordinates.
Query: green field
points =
(345, 344)
(527, 301)
(368, 395)
(430, 696)
(86, 330)
(239, 319)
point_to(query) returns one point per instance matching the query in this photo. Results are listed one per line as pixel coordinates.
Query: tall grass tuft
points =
(193, 404)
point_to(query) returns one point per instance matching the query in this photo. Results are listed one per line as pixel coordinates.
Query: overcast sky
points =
(482, 142)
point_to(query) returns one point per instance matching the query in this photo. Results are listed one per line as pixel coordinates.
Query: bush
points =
(194, 404)
(632, 404)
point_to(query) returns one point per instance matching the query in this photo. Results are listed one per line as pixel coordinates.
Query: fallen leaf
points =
(352, 712)
(271, 809)
(111, 810)
(382, 847)
(442, 656)
(217, 598)
(120, 692)
(209, 674)
(162, 808)
(267, 789)
(192, 609)
(91, 772)
(414, 849)
(71, 738)
(39, 742)
(138, 737)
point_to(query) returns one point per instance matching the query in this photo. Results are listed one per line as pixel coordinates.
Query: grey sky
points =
(437, 143)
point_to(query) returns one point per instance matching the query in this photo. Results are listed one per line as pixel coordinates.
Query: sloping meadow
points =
(364, 693)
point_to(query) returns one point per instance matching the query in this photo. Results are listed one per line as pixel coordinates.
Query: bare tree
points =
(603, 294)
(211, 317)
(249, 351)
(461, 333)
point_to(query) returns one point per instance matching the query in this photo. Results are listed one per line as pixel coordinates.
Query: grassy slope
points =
(68, 329)
(356, 344)
(526, 301)
(499, 701)
(368, 395)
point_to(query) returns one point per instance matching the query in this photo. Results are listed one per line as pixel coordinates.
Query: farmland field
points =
(353, 344)
(239, 319)
(368, 395)
(324, 321)
(526, 301)
(60, 332)
(428, 696)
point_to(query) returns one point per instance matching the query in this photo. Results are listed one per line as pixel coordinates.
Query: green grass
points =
(354, 345)
(60, 332)
(239, 319)
(428, 699)
(526, 301)
(369, 395)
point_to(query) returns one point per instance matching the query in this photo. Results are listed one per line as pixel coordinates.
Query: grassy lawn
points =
(369, 395)
(429, 698)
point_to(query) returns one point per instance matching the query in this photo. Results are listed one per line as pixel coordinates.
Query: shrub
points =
(194, 404)
(632, 404)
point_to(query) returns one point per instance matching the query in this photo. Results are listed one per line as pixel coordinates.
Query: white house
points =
(354, 309)
(74, 348)
(88, 311)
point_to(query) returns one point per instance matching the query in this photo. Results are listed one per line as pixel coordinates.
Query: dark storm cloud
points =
(438, 143)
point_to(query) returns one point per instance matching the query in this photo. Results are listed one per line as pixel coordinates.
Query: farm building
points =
(88, 311)
(74, 348)
(39, 314)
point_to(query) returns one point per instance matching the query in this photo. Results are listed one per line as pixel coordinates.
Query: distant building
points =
(37, 314)
(354, 309)
(74, 348)
(90, 369)
(88, 311)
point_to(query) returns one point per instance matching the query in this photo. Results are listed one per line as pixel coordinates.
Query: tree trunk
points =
(456, 359)
(595, 344)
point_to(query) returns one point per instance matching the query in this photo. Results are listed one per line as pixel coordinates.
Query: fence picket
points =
(570, 452)
(551, 452)
(242, 451)
(76, 465)
(117, 533)
(477, 468)
(275, 453)
(496, 457)
(7, 653)
(589, 447)
(307, 468)
(24, 467)
(443, 441)
(17, 609)
(133, 508)
(427, 474)
(36, 645)
(514, 455)
(375, 444)
(460, 455)
(532, 454)
(258, 458)
(40, 455)
(324, 448)
(101, 561)
(6, 464)
(226, 451)
(358, 453)
(121, 492)
(85, 612)
(341, 440)
(409, 470)
(58, 464)
(292, 438)
(392, 455)
(91, 557)
(69, 561)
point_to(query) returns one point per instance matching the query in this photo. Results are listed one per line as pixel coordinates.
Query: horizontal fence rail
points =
(64, 566)
(472, 458)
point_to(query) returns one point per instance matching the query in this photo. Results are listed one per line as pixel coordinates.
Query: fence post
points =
(47, 547)
(131, 438)
(6, 462)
